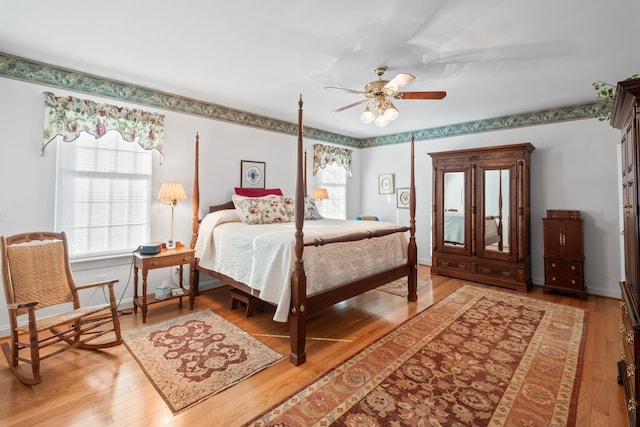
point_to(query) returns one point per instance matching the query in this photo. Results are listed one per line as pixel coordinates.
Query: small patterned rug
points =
(192, 357)
(399, 286)
(478, 357)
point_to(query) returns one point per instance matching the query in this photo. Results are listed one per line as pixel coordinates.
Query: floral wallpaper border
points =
(17, 68)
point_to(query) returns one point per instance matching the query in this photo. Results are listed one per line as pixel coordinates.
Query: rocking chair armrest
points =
(108, 283)
(19, 305)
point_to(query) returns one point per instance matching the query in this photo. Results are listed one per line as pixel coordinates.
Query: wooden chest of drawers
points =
(626, 117)
(564, 253)
(627, 366)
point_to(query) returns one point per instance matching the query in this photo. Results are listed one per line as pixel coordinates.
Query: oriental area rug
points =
(399, 287)
(478, 357)
(192, 357)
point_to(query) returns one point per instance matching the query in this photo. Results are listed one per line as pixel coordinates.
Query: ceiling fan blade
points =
(341, 89)
(399, 81)
(421, 95)
(346, 107)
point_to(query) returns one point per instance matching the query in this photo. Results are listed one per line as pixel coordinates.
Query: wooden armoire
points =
(564, 252)
(481, 215)
(626, 117)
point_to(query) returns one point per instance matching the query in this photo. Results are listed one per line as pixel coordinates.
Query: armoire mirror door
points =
(497, 216)
(452, 216)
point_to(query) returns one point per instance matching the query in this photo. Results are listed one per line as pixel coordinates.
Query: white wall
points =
(574, 166)
(27, 189)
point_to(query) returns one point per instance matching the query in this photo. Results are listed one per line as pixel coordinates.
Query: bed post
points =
(195, 198)
(297, 314)
(412, 279)
(195, 207)
(306, 192)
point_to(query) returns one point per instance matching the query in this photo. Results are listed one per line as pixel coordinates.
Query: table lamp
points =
(320, 194)
(170, 193)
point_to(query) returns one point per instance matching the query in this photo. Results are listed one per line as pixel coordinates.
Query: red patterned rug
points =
(190, 358)
(479, 357)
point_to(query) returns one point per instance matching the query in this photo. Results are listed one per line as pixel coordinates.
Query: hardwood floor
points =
(84, 388)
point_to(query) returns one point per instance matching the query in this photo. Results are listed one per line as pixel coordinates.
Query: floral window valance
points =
(68, 116)
(324, 155)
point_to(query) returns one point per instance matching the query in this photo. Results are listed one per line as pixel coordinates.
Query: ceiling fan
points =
(377, 94)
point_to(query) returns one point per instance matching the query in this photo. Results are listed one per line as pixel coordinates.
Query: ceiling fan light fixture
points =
(381, 121)
(377, 95)
(390, 112)
(367, 116)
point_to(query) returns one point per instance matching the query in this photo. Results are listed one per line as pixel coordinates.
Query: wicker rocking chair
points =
(36, 274)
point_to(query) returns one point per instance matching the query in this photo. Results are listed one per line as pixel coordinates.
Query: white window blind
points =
(102, 197)
(334, 179)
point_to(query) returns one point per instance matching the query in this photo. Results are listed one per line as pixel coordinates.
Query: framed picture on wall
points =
(385, 184)
(403, 197)
(252, 174)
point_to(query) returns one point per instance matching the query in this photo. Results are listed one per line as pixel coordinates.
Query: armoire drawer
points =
(563, 267)
(566, 280)
(628, 338)
(501, 271)
(454, 264)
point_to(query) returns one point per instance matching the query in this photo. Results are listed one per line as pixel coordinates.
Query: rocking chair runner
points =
(36, 274)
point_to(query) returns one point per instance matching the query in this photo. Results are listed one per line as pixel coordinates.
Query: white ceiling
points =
(493, 57)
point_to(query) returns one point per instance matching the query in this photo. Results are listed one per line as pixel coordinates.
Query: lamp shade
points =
(320, 194)
(171, 191)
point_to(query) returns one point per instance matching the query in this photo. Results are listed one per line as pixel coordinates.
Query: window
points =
(332, 166)
(103, 173)
(103, 191)
(334, 179)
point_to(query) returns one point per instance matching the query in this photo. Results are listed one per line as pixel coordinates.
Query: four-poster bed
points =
(305, 298)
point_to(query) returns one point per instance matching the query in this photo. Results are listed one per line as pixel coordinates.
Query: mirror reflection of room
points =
(454, 209)
(496, 210)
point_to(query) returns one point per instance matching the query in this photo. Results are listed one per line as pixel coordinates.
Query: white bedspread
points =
(262, 256)
(454, 227)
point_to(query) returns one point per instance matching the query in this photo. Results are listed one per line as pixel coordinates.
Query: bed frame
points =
(301, 304)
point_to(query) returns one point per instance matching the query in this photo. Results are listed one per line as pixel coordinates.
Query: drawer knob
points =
(553, 279)
(573, 282)
(573, 267)
(630, 370)
(553, 264)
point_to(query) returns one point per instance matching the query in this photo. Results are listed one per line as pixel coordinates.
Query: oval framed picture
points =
(403, 198)
(252, 174)
(386, 184)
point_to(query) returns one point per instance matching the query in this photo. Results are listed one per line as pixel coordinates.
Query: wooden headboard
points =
(223, 206)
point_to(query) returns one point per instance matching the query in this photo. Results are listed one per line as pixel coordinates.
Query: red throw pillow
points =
(257, 192)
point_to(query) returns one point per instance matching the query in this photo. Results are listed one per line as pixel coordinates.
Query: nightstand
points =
(177, 257)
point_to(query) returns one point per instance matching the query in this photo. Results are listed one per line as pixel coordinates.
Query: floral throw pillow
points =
(310, 209)
(290, 205)
(261, 210)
